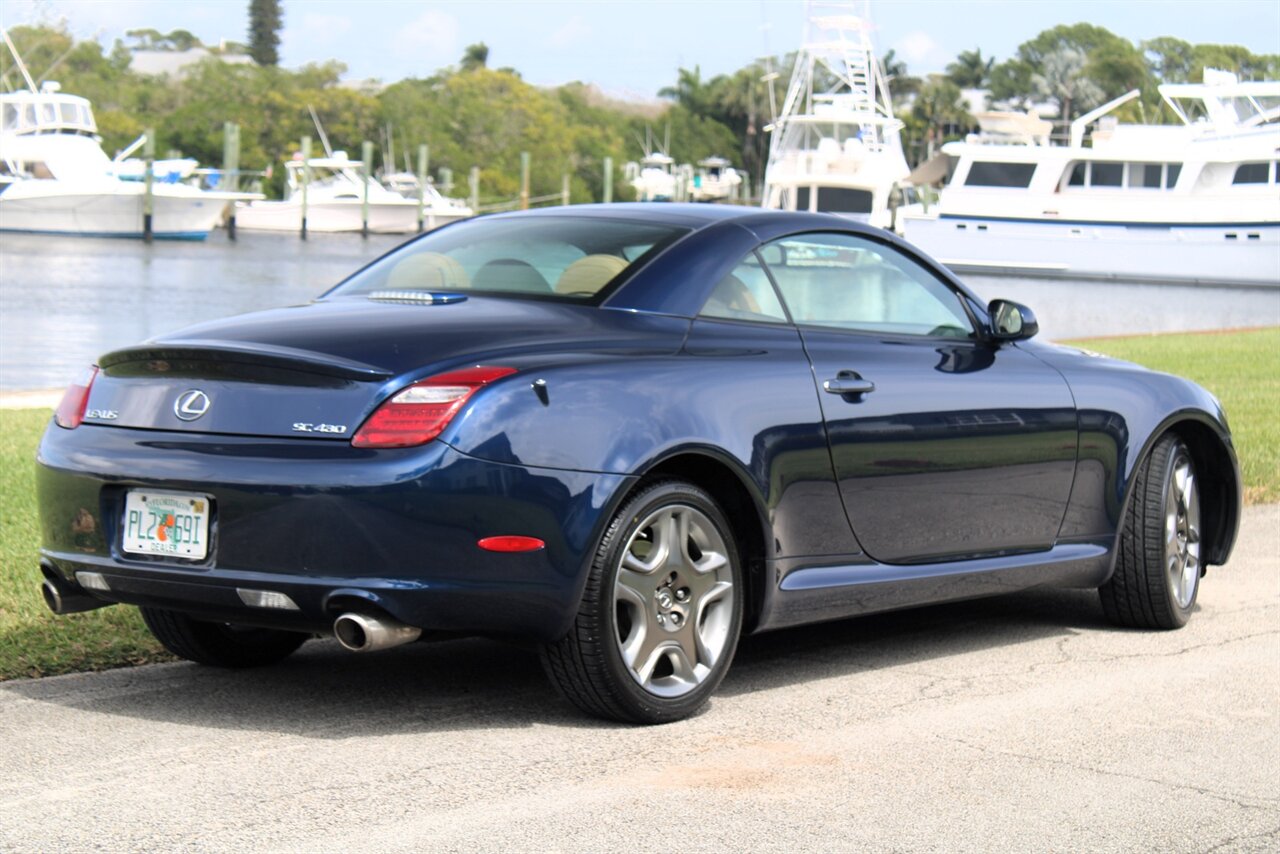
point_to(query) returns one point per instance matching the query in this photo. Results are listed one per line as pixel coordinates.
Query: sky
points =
(632, 49)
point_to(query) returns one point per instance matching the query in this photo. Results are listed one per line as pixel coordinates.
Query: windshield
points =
(571, 258)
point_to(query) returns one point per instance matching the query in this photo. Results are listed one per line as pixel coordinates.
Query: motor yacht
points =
(1195, 201)
(835, 146)
(335, 191)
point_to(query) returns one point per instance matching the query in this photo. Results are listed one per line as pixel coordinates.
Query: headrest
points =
(428, 270)
(589, 274)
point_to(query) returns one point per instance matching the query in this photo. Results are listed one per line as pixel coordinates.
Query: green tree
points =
(1169, 60)
(1062, 79)
(970, 70)
(476, 56)
(938, 114)
(265, 21)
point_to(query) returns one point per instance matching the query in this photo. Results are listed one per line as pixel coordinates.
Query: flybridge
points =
(46, 111)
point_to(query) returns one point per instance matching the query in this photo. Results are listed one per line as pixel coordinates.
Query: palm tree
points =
(970, 70)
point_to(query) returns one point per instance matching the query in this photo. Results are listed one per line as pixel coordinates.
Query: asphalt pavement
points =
(1024, 723)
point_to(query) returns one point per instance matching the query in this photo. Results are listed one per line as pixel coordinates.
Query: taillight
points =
(417, 414)
(70, 411)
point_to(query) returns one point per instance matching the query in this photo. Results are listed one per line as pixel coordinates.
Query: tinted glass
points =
(985, 174)
(571, 258)
(1077, 175)
(1251, 173)
(843, 200)
(849, 282)
(745, 294)
(1145, 175)
(1171, 178)
(802, 198)
(1107, 174)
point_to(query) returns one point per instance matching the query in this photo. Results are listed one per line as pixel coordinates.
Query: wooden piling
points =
(306, 180)
(524, 180)
(564, 189)
(366, 157)
(608, 180)
(473, 181)
(231, 170)
(148, 193)
(424, 159)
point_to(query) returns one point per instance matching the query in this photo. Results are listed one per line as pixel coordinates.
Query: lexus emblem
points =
(191, 404)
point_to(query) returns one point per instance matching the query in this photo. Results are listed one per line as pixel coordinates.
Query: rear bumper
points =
(330, 526)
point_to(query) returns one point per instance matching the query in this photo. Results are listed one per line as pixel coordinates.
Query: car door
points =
(945, 445)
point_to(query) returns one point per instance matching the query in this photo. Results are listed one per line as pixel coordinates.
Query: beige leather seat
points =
(428, 270)
(589, 274)
(732, 298)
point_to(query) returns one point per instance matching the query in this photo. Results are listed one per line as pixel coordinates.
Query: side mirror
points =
(1011, 321)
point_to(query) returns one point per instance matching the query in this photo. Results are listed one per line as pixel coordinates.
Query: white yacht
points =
(715, 181)
(1195, 201)
(55, 177)
(335, 192)
(838, 150)
(654, 178)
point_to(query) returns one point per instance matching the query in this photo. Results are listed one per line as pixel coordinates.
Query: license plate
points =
(166, 523)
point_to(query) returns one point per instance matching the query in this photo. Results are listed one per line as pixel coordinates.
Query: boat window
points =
(849, 282)
(990, 174)
(1252, 173)
(843, 200)
(50, 112)
(29, 115)
(555, 257)
(802, 198)
(1077, 175)
(1147, 175)
(1106, 174)
(10, 116)
(1171, 179)
(69, 113)
(745, 294)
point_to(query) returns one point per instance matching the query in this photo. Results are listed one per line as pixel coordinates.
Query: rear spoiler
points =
(266, 355)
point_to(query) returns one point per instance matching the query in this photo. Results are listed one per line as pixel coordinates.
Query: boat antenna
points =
(324, 140)
(22, 66)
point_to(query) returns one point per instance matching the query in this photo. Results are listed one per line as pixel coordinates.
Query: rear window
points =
(568, 258)
(990, 174)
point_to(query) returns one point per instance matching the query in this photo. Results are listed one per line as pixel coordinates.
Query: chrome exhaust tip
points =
(364, 633)
(62, 599)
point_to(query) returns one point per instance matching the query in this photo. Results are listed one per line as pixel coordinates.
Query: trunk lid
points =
(316, 371)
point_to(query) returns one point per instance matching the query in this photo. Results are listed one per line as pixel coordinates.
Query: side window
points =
(849, 282)
(745, 294)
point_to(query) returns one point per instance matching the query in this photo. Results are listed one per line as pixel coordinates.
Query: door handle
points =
(848, 382)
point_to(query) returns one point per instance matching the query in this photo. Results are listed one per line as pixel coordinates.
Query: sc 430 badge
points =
(306, 427)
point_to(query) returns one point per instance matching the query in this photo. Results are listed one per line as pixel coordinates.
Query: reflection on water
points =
(64, 301)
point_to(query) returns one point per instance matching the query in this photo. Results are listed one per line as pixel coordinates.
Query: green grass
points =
(1241, 368)
(33, 642)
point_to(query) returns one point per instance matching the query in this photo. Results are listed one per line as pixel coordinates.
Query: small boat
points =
(335, 192)
(835, 147)
(653, 178)
(58, 180)
(1191, 202)
(715, 181)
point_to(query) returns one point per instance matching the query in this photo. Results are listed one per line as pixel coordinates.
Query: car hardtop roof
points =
(697, 216)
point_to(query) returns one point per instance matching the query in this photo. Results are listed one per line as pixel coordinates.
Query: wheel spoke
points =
(634, 586)
(682, 665)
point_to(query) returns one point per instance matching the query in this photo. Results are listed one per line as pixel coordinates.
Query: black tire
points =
(1142, 592)
(587, 665)
(220, 644)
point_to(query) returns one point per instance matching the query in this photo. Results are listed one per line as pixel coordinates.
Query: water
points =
(64, 301)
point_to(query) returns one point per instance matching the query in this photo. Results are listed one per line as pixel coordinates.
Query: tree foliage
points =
(265, 21)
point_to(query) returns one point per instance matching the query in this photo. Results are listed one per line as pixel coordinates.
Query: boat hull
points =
(1246, 254)
(340, 216)
(114, 213)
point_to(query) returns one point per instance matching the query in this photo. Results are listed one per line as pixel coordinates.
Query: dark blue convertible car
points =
(629, 434)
